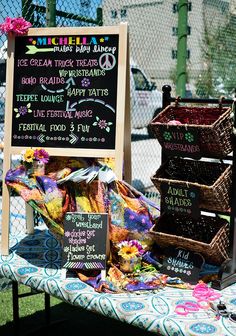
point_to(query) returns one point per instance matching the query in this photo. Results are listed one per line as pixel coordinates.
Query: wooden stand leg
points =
(29, 219)
(5, 219)
(103, 275)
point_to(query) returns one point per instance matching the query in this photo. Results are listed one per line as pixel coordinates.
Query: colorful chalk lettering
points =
(85, 241)
(180, 141)
(74, 86)
(183, 264)
(180, 199)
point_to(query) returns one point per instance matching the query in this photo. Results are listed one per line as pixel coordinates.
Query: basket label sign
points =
(85, 240)
(180, 141)
(183, 200)
(182, 263)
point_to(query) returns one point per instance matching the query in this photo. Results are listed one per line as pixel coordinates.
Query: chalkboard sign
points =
(180, 141)
(65, 91)
(183, 264)
(183, 200)
(85, 241)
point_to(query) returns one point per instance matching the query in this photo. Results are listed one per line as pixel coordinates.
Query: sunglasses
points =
(221, 310)
(232, 317)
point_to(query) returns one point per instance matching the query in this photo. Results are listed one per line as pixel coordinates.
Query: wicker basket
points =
(213, 180)
(208, 236)
(213, 124)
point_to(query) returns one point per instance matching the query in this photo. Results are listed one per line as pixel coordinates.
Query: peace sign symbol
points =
(107, 61)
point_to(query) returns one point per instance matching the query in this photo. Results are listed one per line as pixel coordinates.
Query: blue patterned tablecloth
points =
(35, 260)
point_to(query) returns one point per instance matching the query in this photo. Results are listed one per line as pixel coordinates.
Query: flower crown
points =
(39, 154)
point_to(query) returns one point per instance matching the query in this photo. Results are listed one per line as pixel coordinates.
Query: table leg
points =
(15, 304)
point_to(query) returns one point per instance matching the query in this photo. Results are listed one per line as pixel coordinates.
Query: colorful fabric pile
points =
(72, 185)
(78, 185)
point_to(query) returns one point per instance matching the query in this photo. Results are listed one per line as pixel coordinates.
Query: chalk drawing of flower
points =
(85, 82)
(67, 233)
(189, 137)
(103, 124)
(23, 110)
(167, 136)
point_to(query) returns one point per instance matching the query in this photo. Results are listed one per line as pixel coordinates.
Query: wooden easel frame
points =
(122, 151)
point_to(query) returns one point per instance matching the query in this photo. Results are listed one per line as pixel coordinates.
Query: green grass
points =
(71, 320)
(28, 305)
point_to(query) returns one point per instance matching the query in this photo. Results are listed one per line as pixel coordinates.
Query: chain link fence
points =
(153, 40)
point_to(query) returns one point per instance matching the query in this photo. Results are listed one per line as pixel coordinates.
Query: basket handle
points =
(177, 100)
(221, 102)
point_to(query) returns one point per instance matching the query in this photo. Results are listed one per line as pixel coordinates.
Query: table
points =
(34, 260)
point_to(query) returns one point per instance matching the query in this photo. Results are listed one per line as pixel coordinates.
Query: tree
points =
(218, 54)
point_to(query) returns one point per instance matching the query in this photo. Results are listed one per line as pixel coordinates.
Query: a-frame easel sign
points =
(68, 92)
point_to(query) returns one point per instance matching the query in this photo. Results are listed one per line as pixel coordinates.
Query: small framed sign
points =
(180, 141)
(182, 263)
(183, 200)
(85, 241)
